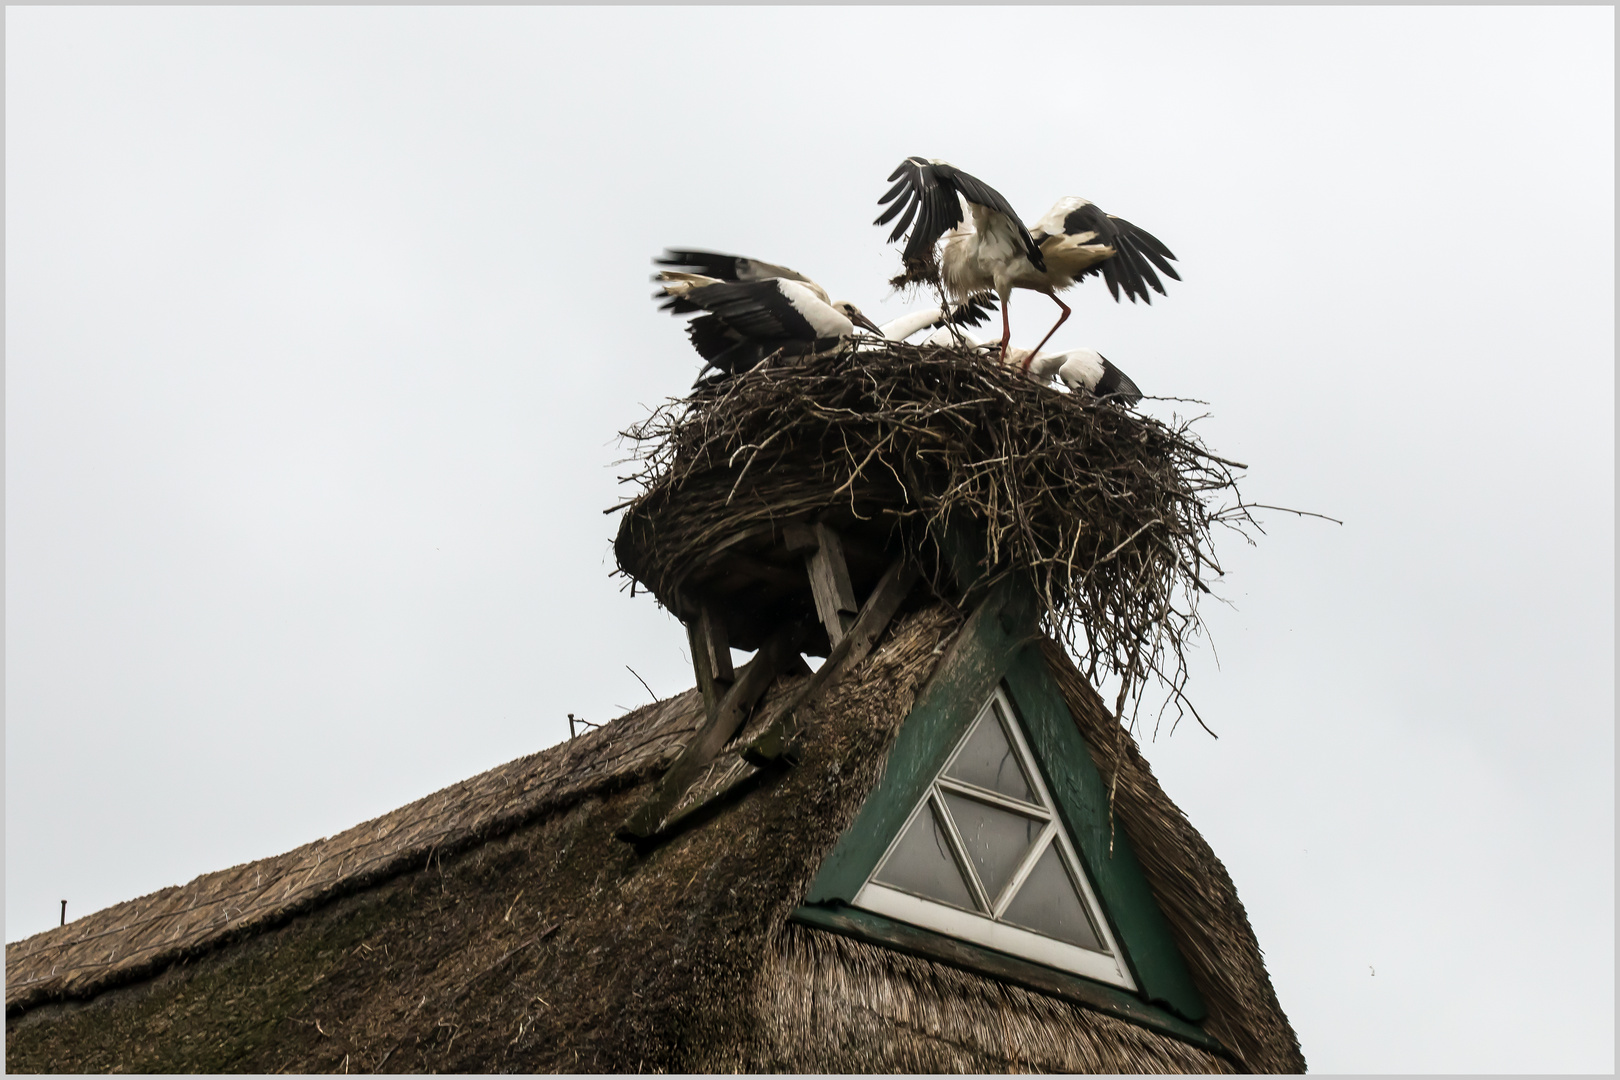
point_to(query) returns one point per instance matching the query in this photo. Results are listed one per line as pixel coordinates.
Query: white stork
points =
(1084, 369)
(1078, 369)
(997, 252)
(754, 309)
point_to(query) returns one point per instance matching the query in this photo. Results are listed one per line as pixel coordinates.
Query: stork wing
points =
(1115, 381)
(754, 309)
(724, 267)
(723, 348)
(974, 311)
(932, 187)
(1137, 252)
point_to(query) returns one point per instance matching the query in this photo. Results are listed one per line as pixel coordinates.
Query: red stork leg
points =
(1006, 327)
(1061, 320)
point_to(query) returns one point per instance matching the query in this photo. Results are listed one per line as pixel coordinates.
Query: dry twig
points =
(1110, 511)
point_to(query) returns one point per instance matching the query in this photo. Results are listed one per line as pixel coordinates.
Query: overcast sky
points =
(320, 325)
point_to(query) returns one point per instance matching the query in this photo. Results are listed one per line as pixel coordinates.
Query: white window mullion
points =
(994, 798)
(953, 833)
(985, 926)
(1035, 852)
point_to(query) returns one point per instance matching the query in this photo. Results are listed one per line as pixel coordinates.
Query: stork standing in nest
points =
(997, 252)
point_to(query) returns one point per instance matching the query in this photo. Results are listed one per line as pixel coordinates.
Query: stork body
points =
(1079, 369)
(996, 252)
(747, 321)
(1086, 369)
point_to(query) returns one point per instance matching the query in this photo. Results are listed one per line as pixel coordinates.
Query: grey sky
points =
(320, 324)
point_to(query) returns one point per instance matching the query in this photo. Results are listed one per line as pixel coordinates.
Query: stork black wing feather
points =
(1141, 276)
(1126, 271)
(1150, 247)
(922, 195)
(708, 263)
(905, 220)
(711, 336)
(899, 186)
(1136, 253)
(888, 215)
(1147, 241)
(900, 196)
(975, 310)
(1115, 381)
(756, 310)
(675, 305)
(934, 187)
(1110, 273)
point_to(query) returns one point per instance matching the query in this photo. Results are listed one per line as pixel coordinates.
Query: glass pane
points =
(996, 839)
(1048, 904)
(988, 760)
(922, 863)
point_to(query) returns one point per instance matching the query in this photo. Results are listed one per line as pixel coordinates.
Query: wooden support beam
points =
(800, 539)
(773, 744)
(701, 666)
(719, 646)
(711, 656)
(719, 726)
(829, 583)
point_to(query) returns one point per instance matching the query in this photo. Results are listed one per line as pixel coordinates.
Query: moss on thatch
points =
(545, 944)
(1109, 511)
(139, 937)
(532, 940)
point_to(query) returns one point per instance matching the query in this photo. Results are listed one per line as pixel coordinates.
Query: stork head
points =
(853, 314)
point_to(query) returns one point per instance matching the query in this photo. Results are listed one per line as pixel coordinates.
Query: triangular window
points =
(985, 857)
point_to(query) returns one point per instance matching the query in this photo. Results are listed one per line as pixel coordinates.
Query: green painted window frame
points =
(982, 926)
(995, 647)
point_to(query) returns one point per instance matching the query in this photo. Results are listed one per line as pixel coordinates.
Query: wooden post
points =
(773, 743)
(722, 723)
(711, 656)
(829, 577)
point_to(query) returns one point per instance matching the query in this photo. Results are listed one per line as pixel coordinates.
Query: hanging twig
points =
(1111, 511)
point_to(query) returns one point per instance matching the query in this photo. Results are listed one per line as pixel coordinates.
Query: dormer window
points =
(984, 857)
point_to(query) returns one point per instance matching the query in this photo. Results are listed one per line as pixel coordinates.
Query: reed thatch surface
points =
(1110, 511)
(1192, 887)
(534, 941)
(840, 1005)
(139, 936)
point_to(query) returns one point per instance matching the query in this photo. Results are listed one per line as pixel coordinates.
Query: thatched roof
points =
(499, 925)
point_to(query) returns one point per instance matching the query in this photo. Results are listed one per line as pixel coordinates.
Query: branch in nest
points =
(1109, 511)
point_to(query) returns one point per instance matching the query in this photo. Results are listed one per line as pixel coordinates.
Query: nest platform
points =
(906, 451)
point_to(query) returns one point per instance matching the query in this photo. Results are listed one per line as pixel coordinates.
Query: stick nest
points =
(1109, 511)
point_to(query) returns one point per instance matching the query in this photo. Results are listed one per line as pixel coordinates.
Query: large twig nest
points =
(1110, 511)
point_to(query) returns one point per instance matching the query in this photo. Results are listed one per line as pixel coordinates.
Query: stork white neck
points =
(906, 325)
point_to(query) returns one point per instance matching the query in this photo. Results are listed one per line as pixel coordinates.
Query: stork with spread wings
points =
(996, 252)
